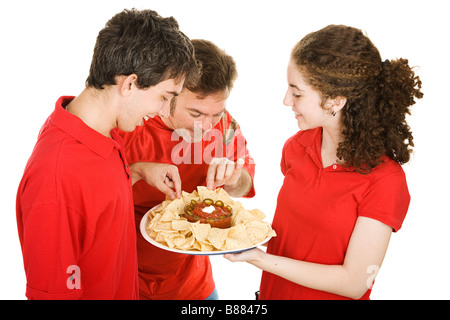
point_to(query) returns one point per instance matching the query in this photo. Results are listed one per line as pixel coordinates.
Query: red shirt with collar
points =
(75, 214)
(163, 274)
(317, 209)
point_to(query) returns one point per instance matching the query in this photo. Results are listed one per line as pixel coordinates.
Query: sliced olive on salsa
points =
(208, 201)
(219, 203)
(228, 208)
(193, 202)
(188, 209)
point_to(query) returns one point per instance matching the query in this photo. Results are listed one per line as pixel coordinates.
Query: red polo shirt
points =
(75, 214)
(163, 274)
(317, 209)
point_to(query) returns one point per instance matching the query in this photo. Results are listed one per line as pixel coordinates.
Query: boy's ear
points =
(127, 84)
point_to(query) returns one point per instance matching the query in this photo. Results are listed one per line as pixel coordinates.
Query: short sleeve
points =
(387, 200)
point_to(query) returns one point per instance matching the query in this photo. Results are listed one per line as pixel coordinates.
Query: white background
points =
(46, 48)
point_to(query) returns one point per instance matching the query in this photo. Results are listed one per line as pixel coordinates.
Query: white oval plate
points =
(145, 221)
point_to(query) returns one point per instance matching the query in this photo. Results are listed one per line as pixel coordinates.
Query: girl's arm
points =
(365, 253)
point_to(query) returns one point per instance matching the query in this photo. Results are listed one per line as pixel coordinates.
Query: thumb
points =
(240, 163)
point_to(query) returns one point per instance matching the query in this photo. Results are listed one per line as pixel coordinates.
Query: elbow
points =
(357, 294)
(357, 291)
(356, 285)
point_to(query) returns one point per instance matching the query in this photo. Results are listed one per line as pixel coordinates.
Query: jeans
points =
(214, 295)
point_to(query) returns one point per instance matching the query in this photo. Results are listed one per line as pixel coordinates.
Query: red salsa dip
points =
(220, 217)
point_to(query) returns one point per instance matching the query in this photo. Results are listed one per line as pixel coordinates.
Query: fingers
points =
(245, 256)
(240, 163)
(223, 171)
(173, 180)
(230, 256)
(217, 171)
(164, 177)
(166, 189)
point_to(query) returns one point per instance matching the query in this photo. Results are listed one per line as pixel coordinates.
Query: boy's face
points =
(147, 103)
(193, 115)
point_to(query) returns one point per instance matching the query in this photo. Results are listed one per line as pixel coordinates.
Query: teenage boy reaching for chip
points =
(205, 143)
(74, 203)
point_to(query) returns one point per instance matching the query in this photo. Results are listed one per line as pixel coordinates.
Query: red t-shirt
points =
(163, 274)
(75, 214)
(317, 209)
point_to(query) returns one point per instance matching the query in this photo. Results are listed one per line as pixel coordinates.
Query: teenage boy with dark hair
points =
(74, 203)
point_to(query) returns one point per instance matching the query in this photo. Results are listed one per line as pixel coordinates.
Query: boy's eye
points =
(219, 115)
(195, 115)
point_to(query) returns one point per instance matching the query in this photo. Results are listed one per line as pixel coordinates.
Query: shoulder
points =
(49, 167)
(387, 197)
(387, 170)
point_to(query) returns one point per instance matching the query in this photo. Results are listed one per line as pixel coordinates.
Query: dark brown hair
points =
(143, 43)
(341, 61)
(218, 69)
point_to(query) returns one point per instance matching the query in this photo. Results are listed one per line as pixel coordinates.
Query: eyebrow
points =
(294, 86)
(198, 111)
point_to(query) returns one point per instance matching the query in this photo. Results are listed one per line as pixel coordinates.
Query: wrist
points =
(241, 187)
(258, 258)
(135, 172)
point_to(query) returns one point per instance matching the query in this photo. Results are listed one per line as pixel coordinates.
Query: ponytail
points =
(399, 87)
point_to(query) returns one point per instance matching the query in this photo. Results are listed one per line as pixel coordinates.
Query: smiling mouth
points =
(148, 116)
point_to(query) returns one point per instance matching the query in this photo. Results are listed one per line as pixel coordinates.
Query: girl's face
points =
(305, 101)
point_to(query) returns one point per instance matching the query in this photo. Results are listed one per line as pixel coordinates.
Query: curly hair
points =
(141, 42)
(341, 61)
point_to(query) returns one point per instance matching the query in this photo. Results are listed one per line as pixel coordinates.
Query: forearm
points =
(241, 187)
(330, 278)
(364, 256)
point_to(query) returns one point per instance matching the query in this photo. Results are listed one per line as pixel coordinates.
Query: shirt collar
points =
(312, 141)
(311, 138)
(75, 127)
(156, 120)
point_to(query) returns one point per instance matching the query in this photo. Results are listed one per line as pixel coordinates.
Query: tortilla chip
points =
(217, 237)
(200, 230)
(257, 231)
(243, 216)
(237, 238)
(258, 214)
(176, 206)
(204, 246)
(189, 242)
(181, 225)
